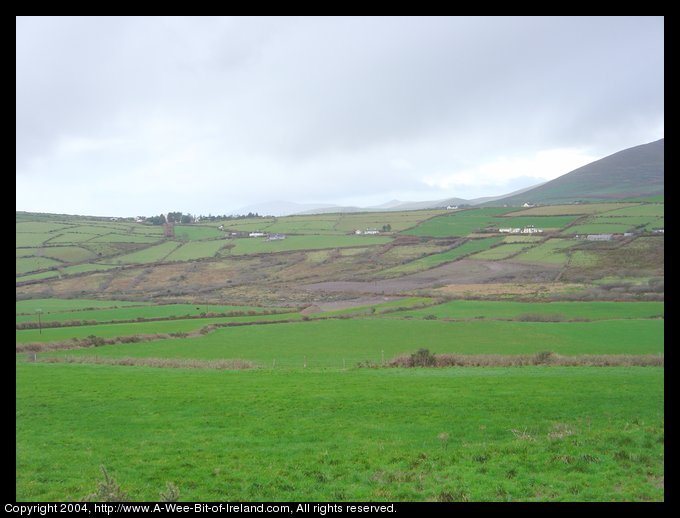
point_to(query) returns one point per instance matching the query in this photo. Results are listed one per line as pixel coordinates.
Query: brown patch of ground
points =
(458, 272)
(345, 304)
(493, 289)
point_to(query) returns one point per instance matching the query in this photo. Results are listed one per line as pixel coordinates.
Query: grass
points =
(32, 239)
(125, 238)
(572, 209)
(58, 305)
(491, 309)
(196, 250)
(430, 261)
(58, 334)
(197, 232)
(501, 252)
(68, 254)
(151, 254)
(329, 343)
(131, 312)
(247, 246)
(458, 223)
(551, 251)
(31, 264)
(529, 434)
(473, 220)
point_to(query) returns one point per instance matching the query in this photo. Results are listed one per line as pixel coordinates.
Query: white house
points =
(256, 234)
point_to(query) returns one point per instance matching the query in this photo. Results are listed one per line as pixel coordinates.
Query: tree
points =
(387, 228)
(174, 217)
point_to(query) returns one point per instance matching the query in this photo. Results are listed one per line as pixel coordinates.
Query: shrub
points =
(423, 358)
(108, 490)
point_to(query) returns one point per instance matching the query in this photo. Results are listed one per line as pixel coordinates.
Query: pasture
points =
(475, 434)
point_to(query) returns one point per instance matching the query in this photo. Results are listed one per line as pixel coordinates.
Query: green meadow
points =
(456, 434)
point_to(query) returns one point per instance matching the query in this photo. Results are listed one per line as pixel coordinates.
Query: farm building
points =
(256, 234)
(276, 237)
(367, 232)
(599, 237)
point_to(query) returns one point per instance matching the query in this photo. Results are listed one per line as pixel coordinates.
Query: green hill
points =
(633, 172)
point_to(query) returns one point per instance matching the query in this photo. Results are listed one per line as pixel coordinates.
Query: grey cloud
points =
(328, 96)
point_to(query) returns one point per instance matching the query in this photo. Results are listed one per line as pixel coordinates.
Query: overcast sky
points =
(137, 116)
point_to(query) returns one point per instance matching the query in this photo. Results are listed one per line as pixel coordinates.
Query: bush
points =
(108, 490)
(422, 358)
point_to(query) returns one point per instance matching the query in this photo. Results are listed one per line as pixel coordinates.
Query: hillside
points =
(633, 172)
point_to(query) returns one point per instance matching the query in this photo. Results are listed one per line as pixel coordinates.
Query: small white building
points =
(451, 207)
(256, 234)
(370, 231)
(528, 205)
(599, 237)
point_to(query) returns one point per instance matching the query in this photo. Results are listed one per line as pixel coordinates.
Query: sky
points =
(127, 116)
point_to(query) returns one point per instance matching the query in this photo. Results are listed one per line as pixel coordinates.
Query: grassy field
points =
(247, 246)
(332, 343)
(501, 251)
(530, 434)
(551, 251)
(460, 223)
(473, 220)
(68, 254)
(430, 261)
(59, 305)
(573, 209)
(31, 264)
(131, 312)
(492, 309)
(318, 412)
(196, 250)
(58, 334)
(151, 254)
(197, 232)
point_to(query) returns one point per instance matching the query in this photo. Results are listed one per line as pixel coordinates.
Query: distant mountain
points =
(284, 208)
(396, 205)
(633, 172)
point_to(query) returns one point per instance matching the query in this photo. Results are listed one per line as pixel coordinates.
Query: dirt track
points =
(465, 271)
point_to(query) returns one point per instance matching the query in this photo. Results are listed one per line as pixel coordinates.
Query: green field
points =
(58, 334)
(259, 245)
(32, 264)
(317, 411)
(197, 233)
(459, 223)
(572, 209)
(430, 261)
(31, 239)
(60, 305)
(196, 250)
(131, 311)
(68, 254)
(501, 251)
(474, 220)
(360, 435)
(551, 251)
(492, 309)
(330, 343)
(151, 254)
